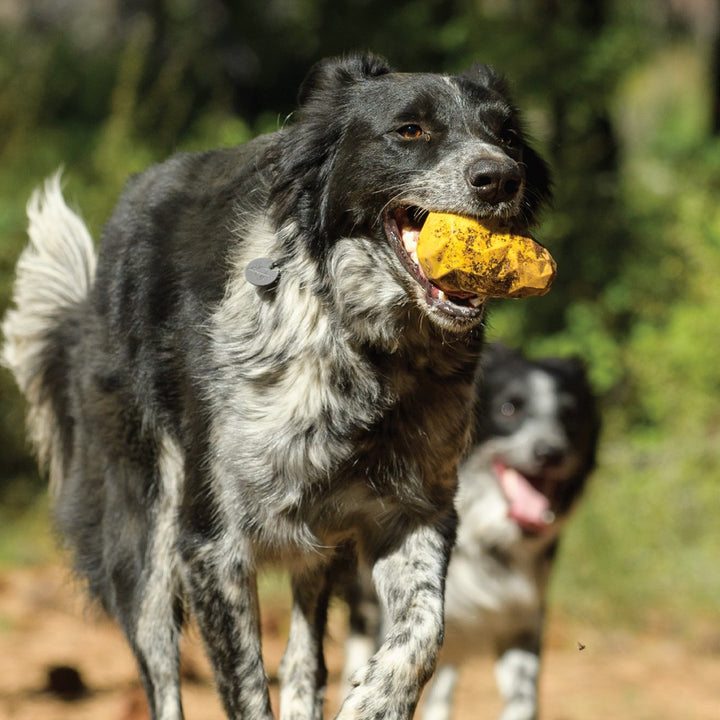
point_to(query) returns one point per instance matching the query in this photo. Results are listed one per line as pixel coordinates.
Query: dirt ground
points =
(44, 623)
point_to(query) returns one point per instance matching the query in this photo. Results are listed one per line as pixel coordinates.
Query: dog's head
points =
(536, 430)
(373, 151)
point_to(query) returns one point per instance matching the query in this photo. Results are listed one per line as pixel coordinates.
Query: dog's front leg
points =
(222, 587)
(410, 582)
(303, 673)
(516, 670)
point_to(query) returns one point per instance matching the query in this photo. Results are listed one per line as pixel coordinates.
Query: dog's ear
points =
(496, 352)
(539, 182)
(488, 77)
(337, 72)
(572, 366)
(497, 355)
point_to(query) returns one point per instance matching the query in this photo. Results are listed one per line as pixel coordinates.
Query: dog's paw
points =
(520, 710)
(369, 702)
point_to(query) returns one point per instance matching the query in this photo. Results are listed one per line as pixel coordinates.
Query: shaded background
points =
(623, 99)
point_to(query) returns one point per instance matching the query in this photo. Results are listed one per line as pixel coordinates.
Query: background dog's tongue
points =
(528, 507)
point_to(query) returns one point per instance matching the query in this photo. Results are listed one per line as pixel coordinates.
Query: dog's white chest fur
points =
(491, 582)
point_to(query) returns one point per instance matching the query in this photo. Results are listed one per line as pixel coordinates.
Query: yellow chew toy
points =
(461, 255)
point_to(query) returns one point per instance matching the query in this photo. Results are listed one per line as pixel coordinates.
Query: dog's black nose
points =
(494, 181)
(548, 454)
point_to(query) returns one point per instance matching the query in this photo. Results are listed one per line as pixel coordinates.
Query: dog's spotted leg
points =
(517, 672)
(154, 620)
(365, 625)
(221, 583)
(409, 580)
(303, 673)
(438, 698)
(156, 647)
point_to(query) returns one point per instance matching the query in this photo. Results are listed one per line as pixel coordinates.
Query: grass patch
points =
(26, 537)
(642, 549)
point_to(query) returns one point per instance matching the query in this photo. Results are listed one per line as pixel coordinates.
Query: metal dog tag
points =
(262, 272)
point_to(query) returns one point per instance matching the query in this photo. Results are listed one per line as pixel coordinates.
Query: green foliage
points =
(641, 550)
(681, 385)
(26, 537)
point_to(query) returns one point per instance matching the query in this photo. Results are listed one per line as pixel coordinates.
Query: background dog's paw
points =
(520, 710)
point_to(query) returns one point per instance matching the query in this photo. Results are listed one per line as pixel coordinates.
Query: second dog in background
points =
(535, 440)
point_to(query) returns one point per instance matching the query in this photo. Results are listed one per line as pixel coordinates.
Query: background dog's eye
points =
(411, 132)
(511, 407)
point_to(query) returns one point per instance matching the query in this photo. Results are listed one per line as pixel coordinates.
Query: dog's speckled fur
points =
(197, 426)
(540, 418)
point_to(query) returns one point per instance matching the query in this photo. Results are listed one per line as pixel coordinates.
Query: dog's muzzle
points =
(402, 227)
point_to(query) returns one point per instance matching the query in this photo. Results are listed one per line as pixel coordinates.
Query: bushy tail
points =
(54, 273)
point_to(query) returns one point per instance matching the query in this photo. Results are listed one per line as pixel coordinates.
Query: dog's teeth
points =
(442, 295)
(410, 238)
(475, 301)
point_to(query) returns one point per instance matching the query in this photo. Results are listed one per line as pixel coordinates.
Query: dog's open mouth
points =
(527, 504)
(402, 226)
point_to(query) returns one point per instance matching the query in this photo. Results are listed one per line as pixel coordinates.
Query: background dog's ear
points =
(488, 77)
(497, 353)
(572, 366)
(333, 73)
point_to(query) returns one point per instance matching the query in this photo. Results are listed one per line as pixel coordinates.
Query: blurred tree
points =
(254, 54)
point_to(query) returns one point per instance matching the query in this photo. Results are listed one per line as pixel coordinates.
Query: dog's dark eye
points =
(412, 132)
(510, 139)
(511, 407)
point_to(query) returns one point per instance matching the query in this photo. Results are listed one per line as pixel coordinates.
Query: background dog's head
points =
(536, 430)
(372, 151)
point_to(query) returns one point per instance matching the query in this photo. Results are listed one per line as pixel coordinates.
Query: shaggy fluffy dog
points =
(203, 414)
(534, 446)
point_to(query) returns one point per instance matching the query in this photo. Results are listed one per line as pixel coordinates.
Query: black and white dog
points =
(256, 370)
(534, 446)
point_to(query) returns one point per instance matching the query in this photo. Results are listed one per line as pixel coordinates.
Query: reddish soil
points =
(44, 623)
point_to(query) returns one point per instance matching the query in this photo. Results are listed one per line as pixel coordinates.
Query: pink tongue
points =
(529, 507)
